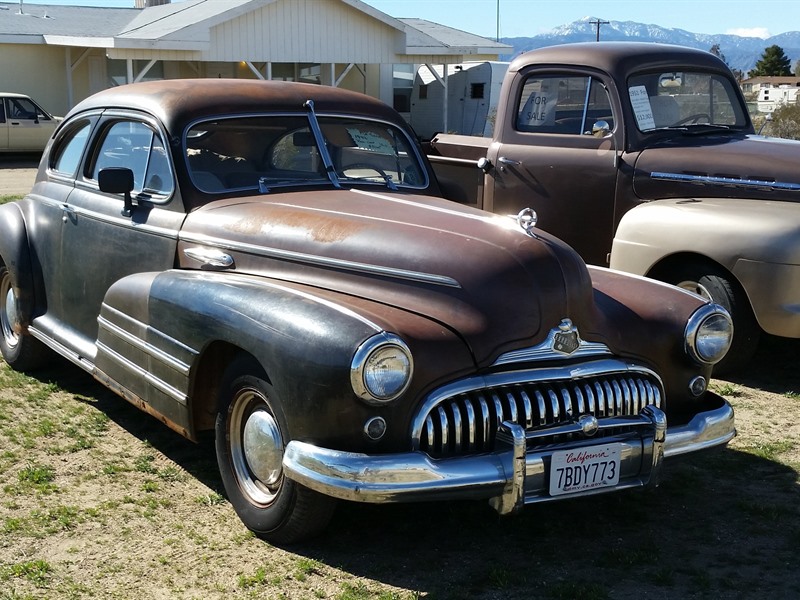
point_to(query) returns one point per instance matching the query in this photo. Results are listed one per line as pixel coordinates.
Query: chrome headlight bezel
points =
(368, 383)
(708, 334)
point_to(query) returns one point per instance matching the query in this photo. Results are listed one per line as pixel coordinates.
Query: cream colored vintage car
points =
(24, 125)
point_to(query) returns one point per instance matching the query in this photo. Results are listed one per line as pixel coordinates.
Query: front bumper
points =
(513, 475)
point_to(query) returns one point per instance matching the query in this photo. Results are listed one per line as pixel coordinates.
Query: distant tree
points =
(773, 62)
(785, 122)
(717, 51)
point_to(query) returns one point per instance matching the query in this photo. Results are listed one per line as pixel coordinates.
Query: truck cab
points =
(643, 157)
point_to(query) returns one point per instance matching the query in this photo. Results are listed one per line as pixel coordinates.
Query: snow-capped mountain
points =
(739, 52)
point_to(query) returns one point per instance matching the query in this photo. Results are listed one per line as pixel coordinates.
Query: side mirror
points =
(601, 129)
(117, 180)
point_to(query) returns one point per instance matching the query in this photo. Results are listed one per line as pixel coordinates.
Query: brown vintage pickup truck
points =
(644, 157)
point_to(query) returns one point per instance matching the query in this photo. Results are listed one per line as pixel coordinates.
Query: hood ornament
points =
(527, 219)
(566, 339)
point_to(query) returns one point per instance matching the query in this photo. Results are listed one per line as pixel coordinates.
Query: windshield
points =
(264, 152)
(685, 99)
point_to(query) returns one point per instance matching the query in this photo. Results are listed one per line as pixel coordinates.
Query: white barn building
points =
(62, 54)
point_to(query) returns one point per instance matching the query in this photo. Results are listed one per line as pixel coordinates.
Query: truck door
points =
(557, 153)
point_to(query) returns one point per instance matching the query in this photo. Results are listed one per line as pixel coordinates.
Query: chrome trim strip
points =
(146, 347)
(126, 223)
(322, 261)
(136, 322)
(544, 351)
(212, 257)
(157, 383)
(61, 349)
(710, 179)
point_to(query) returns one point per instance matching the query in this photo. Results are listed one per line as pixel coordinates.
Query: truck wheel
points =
(711, 283)
(21, 352)
(251, 436)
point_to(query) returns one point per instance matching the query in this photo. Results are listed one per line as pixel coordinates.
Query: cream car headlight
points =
(708, 334)
(381, 369)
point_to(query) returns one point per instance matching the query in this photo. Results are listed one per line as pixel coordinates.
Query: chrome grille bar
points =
(466, 421)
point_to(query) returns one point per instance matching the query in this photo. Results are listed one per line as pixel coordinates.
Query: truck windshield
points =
(685, 99)
(266, 152)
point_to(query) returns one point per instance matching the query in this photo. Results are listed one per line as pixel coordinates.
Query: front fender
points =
(15, 253)
(725, 230)
(757, 241)
(155, 329)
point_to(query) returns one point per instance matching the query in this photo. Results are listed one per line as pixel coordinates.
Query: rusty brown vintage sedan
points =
(272, 262)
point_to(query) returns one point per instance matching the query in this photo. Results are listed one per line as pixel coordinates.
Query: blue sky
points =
(528, 17)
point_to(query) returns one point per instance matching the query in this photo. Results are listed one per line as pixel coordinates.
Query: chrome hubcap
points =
(8, 314)
(263, 449)
(256, 447)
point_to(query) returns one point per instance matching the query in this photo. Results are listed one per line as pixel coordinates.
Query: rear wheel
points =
(251, 436)
(21, 352)
(714, 284)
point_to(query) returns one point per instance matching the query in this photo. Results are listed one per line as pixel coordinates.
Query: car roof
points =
(178, 102)
(619, 58)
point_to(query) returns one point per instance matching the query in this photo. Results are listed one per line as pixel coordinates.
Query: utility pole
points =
(498, 21)
(596, 23)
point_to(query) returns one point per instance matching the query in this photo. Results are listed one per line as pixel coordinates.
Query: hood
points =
(478, 274)
(720, 167)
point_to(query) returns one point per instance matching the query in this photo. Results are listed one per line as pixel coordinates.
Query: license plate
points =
(582, 469)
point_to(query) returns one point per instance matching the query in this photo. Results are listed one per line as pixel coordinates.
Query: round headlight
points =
(381, 369)
(708, 334)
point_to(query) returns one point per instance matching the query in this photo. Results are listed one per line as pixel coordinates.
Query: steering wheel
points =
(384, 175)
(692, 119)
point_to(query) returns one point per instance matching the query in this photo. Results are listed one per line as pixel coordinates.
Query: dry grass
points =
(99, 500)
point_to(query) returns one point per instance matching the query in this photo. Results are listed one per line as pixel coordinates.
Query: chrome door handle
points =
(508, 161)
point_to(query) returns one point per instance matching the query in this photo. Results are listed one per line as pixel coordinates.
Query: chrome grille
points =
(466, 421)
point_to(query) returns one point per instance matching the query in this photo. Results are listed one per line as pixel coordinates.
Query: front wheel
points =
(251, 436)
(21, 352)
(713, 284)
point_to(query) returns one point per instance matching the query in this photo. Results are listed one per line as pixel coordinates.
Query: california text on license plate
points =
(582, 469)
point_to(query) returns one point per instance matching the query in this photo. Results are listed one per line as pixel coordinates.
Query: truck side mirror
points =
(601, 129)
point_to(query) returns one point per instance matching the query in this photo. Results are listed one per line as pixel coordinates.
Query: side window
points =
(22, 108)
(69, 149)
(135, 145)
(2, 110)
(565, 104)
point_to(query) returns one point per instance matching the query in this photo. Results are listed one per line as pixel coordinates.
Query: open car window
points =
(263, 152)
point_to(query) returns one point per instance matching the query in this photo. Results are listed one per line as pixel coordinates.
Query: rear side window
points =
(69, 149)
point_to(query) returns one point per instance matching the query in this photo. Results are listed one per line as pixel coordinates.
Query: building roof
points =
(187, 25)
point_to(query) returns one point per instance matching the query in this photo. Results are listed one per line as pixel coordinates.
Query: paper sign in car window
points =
(640, 102)
(369, 140)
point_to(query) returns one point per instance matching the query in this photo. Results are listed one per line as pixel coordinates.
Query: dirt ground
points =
(17, 173)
